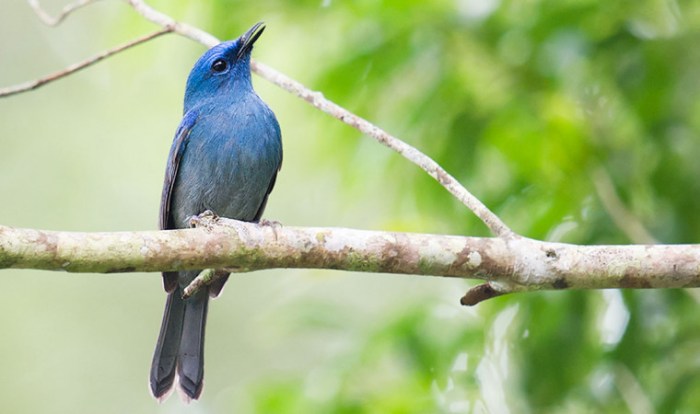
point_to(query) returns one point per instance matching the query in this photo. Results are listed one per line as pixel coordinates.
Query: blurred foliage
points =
(521, 101)
(411, 363)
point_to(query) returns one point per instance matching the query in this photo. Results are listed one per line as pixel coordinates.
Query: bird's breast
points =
(227, 166)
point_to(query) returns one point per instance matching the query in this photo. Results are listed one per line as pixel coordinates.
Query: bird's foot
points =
(205, 219)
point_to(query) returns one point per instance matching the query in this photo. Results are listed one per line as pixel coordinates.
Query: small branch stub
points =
(204, 278)
(479, 294)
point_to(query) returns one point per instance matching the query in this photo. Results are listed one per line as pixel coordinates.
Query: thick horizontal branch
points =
(514, 264)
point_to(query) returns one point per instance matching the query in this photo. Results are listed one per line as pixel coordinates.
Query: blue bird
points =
(224, 158)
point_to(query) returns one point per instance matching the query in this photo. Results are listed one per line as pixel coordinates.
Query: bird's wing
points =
(271, 185)
(269, 190)
(176, 151)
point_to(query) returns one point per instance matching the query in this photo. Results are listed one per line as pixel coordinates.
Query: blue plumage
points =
(224, 158)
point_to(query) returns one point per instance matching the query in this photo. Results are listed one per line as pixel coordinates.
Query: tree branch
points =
(48, 20)
(315, 98)
(508, 265)
(34, 84)
(493, 222)
(427, 164)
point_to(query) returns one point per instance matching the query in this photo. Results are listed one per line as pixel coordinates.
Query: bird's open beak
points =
(250, 37)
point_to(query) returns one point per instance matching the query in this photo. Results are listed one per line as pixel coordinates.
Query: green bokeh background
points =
(529, 104)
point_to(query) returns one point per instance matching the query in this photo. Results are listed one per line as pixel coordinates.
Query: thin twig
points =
(492, 221)
(427, 164)
(183, 29)
(34, 84)
(49, 20)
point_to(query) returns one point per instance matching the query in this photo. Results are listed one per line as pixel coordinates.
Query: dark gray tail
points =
(180, 347)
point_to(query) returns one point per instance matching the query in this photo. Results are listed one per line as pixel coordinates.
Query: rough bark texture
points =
(511, 263)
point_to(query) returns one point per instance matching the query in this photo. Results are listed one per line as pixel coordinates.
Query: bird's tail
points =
(180, 347)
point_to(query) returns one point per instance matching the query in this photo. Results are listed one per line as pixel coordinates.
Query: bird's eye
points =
(219, 65)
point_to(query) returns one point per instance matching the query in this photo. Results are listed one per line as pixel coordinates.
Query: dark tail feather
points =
(165, 356)
(180, 345)
(190, 368)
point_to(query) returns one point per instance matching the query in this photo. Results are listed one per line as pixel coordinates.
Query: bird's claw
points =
(204, 219)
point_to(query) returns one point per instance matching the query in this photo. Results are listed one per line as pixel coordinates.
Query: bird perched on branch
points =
(224, 158)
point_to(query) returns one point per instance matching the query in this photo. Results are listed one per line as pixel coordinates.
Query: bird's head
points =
(223, 70)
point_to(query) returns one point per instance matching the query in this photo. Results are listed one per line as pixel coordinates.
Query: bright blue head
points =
(222, 70)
